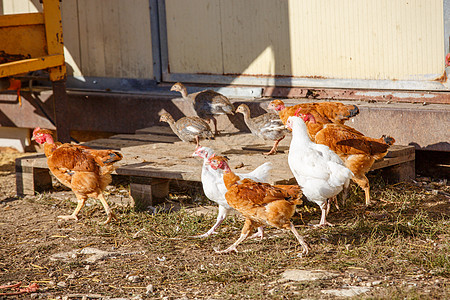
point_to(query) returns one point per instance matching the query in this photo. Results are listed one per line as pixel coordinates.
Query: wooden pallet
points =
(155, 156)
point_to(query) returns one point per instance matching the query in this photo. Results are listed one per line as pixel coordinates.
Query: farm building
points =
(389, 57)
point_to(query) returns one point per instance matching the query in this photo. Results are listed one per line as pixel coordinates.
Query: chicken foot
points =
(109, 213)
(323, 218)
(258, 234)
(74, 215)
(299, 239)
(274, 148)
(223, 212)
(248, 226)
(363, 182)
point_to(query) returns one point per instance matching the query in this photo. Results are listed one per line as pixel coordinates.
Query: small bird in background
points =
(188, 129)
(85, 171)
(260, 203)
(214, 187)
(207, 104)
(267, 126)
(318, 170)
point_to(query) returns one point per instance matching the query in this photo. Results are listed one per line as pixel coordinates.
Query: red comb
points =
(36, 129)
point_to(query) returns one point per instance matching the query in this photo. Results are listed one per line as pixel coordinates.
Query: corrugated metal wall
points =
(103, 38)
(346, 39)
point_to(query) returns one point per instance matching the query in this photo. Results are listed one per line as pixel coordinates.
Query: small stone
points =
(134, 279)
(306, 275)
(149, 289)
(61, 284)
(435, 192)
(347, 292)
(377, 282)
(87, 267)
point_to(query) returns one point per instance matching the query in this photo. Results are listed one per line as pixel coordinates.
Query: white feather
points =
(318, 170)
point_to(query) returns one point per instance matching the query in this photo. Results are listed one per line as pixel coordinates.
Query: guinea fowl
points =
(188, 129)
(214, 187)
(267, 126)
(206, 103)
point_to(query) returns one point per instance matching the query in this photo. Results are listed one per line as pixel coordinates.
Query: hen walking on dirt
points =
(85, 171)
(214, 187)
(260, 203)
(318, 170)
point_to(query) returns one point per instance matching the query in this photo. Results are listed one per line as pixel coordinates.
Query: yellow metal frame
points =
(25, 26)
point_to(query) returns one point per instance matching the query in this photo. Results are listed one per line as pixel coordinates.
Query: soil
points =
(136, 258)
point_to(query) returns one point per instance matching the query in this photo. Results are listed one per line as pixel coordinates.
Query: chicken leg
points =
(80, 204)
(363, 182)
(299, 239)
(323, 218)
(248, 226)
(223, 212)
(274, 148)
(109, 212)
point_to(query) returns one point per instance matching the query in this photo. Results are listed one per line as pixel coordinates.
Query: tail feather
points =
(260, 174)
(388, 139)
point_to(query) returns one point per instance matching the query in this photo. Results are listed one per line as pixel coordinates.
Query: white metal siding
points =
(342, 39)
(104, 38)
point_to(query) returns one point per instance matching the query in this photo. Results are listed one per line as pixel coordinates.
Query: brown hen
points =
(323, 112)
(85, 171)
(260, 203)
(358, 151)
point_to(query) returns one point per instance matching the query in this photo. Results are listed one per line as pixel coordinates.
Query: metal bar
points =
(163, 40)
(156, 47)
(54, 36)
(446, 26)
(21, 19)
(32, 64)
(62, 120)
(307, 82)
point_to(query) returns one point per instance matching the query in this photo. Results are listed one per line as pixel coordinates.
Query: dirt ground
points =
(398, 249)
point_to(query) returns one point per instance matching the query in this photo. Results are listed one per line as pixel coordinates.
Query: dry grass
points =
(400, 245)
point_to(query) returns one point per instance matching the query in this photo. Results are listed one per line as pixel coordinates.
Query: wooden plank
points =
(399, 150)
(386, 162)
(32, 64)
(21, 19)
(158, 130)
(147, 138)
(180, 172)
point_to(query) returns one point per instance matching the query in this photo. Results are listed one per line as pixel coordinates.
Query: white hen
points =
(318, 170)
(214, 187)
